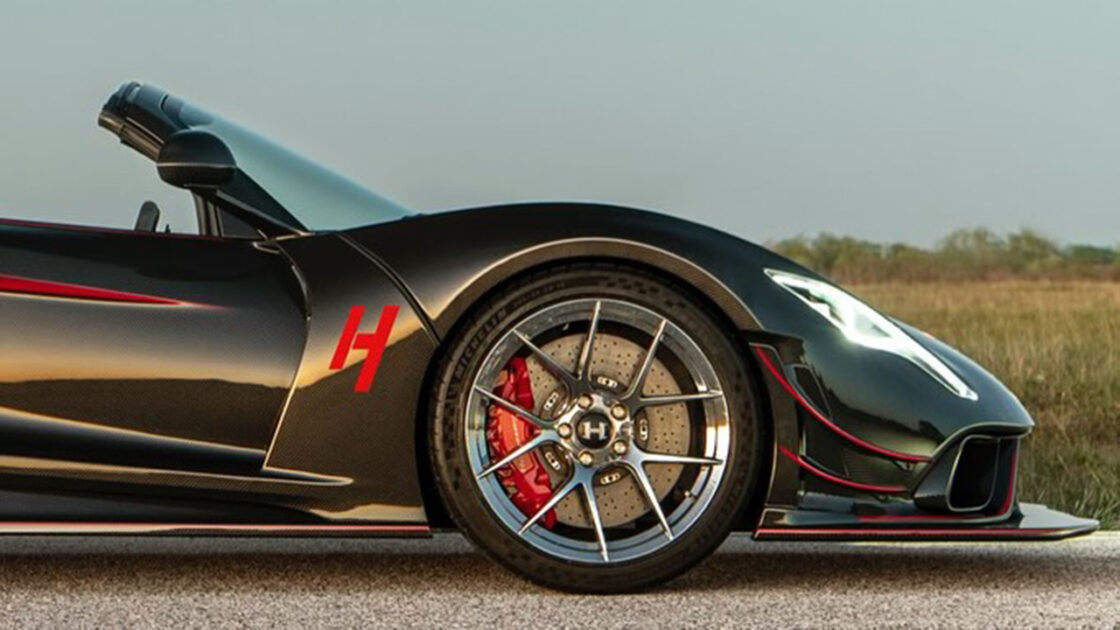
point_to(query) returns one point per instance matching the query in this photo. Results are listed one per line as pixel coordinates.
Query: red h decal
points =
(373, 343)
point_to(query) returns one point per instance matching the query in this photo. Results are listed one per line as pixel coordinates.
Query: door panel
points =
(143, 349)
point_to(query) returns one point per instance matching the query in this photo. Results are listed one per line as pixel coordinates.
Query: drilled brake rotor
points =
(663, 429)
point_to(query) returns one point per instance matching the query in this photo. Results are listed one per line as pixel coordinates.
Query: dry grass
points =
(1057, 345)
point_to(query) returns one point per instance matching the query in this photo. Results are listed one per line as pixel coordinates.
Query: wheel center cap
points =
(593, 430)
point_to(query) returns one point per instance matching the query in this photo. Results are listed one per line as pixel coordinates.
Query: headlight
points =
(864, 325)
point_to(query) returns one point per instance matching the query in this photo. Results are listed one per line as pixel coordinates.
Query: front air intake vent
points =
(973, 479)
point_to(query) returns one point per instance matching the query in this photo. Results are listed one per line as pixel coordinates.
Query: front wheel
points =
(594, 429)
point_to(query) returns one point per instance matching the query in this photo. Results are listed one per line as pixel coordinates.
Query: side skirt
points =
(217, 529)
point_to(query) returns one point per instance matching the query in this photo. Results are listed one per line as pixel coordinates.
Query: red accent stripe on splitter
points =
(820, 417)
(905, 518)
(30, 286)
(797, 459)
(942, 532)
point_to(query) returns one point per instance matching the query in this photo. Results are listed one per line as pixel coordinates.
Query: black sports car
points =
(595, 395)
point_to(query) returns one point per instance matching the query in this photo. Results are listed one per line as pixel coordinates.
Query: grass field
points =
(1057, 345)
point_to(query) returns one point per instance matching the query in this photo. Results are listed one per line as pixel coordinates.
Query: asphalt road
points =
(176, 583)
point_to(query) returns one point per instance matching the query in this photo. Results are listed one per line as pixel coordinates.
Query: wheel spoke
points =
(557, 496)
(535, 442)
(651, 498)
(524, 413)
(664, 458)
(585, 352)
(672, 399)
(596, 520)
(548, 361)
(638, 382)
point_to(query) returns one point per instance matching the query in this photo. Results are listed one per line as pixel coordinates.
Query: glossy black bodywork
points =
(219, 407)
(213, 370)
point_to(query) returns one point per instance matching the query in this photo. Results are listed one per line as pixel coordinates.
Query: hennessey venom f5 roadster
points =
(595, 395)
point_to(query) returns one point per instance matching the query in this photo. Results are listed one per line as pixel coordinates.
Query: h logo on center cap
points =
(593, 431)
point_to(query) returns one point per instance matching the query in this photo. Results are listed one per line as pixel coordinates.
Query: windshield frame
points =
(272, 184)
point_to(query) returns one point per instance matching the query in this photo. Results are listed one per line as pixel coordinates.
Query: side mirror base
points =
(195, 159)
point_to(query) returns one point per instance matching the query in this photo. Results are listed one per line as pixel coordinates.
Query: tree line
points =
(967, 254)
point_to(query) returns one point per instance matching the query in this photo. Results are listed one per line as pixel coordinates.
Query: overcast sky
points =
(887, 120)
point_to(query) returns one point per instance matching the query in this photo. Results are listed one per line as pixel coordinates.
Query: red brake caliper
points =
(525, 478)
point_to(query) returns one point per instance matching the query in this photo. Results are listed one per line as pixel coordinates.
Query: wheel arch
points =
(661, 261)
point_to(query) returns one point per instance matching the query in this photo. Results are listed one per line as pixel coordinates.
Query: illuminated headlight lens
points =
(864, 325)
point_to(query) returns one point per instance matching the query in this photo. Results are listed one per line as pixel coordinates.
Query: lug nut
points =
(564, 430)
(586, 458)
(620, 447)
(585, 402)
(618, 412)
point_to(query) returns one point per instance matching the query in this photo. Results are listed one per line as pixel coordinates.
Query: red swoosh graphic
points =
(820, 417)
(30, 286)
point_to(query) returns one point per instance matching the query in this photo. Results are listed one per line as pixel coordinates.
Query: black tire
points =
(452, 384)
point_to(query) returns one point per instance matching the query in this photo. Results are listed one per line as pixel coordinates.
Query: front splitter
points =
(1029, 522)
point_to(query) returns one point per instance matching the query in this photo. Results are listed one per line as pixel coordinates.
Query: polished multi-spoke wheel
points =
(604, 424)
(607, 367)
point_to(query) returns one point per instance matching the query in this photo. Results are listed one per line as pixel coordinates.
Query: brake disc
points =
(663, 429)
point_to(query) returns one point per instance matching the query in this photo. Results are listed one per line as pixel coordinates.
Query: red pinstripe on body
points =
(797, 459)
(31, 286)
